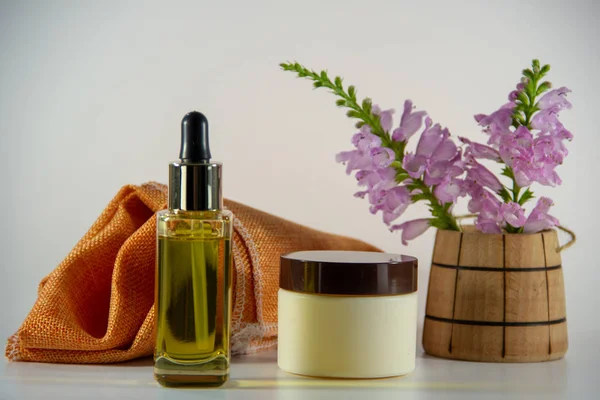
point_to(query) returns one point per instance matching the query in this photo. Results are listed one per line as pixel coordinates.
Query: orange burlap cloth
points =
(97, 305)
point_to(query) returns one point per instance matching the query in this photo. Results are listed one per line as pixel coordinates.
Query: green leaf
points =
(340, 102)
(419, 197)
(317, 84)
(324, 76)
(522, 97)
(507, 171)
(545, 69)
(359, 124)
(505, 194)
(352, 92)
(401, 148)
(401, 177)
(511, 229)
(528, 73)
(438, 223)
(338, 82)
(527, 195)
(366, 105)
(413, 187)
(353, 114)
(543, 87)
(519, 118)
(530, 90)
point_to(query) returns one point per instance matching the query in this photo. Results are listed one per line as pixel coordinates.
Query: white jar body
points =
(347, 336)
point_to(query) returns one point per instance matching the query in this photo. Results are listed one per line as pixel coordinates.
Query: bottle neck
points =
(195, 187)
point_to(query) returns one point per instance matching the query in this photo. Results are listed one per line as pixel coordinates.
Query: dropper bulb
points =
(194, 138)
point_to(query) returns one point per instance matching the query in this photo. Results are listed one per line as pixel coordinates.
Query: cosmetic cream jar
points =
(347, 314)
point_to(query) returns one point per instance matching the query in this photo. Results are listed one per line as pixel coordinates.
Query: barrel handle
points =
(461, 217)
(562, 228)
(570, 242)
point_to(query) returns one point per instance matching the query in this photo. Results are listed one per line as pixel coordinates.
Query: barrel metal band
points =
(499, 269)
(496, 323)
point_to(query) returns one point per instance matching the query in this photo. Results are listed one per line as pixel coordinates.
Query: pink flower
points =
(372, 161)
(546, 121)
(438, 170)
(395, 202)
(431, 138)
(382, 157)
(514, 95)
(479, 174)
(480, 151)
(378, 182)
(490, 208)
(449, 190)
(513, 214)
(555, 98)
(436, 157)
(385, 117)
(414, 165)
(368, 155)
(354, 160)
(498, 123)
(550, 147)
(539, 219)
(533, 160)
(479, 197)
(409, 123)
(494, 216)
(412, 229)
(516, 146)
(487, 226)
(371, 178)
(365, 139)
(486, 206)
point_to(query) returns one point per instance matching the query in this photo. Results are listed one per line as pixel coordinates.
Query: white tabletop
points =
(257, 377)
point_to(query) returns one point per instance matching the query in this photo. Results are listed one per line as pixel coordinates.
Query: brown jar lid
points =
(358, 273)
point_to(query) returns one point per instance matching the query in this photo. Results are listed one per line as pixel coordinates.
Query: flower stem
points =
(515, 190)
(525, 108)
(444, 218)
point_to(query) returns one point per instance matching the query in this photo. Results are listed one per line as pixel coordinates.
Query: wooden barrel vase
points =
(496, 298)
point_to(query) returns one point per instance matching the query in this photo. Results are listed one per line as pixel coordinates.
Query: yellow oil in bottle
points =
(193, 291)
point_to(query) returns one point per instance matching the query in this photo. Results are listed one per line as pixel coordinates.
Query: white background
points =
(92, 94)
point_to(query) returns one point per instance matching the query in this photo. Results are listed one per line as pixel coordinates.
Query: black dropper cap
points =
(195, 181)
(194, 138)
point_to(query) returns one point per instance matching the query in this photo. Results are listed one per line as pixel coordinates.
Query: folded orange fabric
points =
(97, 305)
